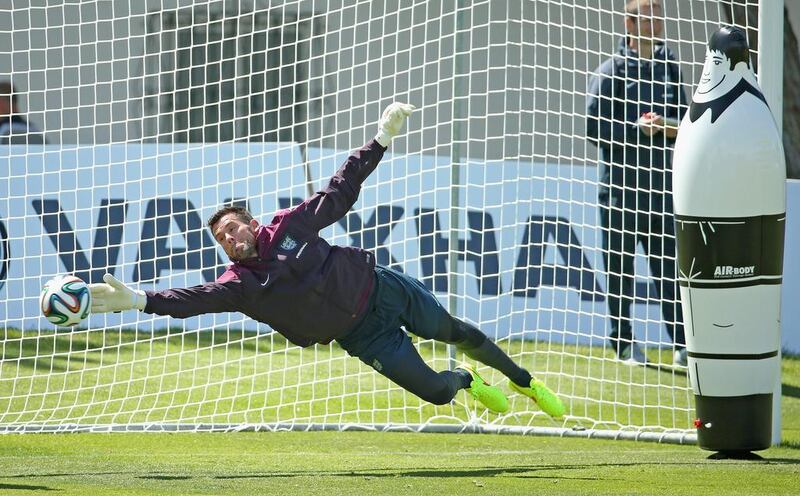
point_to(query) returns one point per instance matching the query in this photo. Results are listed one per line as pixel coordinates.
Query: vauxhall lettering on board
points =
(479, 250)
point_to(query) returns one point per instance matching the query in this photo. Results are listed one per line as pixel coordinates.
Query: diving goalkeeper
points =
(284, 275)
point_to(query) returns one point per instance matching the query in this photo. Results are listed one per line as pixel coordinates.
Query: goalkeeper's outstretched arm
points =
(216, 297)
(113, 295)
(332, 202)
(237, 290)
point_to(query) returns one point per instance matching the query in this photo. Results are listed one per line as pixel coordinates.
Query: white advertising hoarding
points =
(529, 259)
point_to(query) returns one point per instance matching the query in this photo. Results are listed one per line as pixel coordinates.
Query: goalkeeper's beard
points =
(248, 251)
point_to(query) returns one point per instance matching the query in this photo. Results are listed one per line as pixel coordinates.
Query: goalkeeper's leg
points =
(380, 343)
(472, 342)
(405, 300)
(423, 315)
(391, 353)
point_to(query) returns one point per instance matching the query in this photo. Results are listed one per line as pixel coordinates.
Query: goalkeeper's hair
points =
(242, 213)
(633, 6)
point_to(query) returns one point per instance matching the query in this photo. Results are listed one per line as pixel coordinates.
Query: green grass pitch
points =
(118, 377)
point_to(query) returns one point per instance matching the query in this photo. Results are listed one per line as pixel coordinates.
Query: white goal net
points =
(155, 113)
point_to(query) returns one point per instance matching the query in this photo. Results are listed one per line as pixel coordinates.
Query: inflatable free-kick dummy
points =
(729, 180)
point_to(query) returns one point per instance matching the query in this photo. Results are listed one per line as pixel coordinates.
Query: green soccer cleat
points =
(492, 397)
(543, 396)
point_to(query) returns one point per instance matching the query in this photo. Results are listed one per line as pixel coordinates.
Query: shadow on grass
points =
(29, 345)
(23, 487)
(522, 472)
(427, 472)
(789, 390)
(64, 474)
(165, 477)
(39, 365)
(519, 472)
(776, 461)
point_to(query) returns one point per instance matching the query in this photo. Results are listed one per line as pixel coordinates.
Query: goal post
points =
(155, 113)
(770, 78)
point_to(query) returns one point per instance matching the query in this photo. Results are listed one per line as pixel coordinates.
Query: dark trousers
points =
(379, 341)
(623, 227)
(399, 300)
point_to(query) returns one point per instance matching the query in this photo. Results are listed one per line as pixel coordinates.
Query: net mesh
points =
(155, 113)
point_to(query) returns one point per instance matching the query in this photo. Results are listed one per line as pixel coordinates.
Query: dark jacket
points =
(302, 287)
(622, 89)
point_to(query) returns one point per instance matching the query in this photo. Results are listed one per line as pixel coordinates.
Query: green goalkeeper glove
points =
(392, 122)
(114, 296)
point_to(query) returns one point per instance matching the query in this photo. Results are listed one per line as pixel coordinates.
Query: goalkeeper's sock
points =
(463, 377)
(473, 343)
(523, 379)
(488, 353)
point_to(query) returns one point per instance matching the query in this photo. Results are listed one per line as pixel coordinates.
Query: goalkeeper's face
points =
(237, 237)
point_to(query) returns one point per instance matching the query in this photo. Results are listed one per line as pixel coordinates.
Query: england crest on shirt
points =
(288, 243)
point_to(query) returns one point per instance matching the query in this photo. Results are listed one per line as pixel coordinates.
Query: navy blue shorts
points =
(398, 300)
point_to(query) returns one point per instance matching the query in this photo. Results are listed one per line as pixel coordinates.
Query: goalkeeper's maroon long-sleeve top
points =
(302, 287)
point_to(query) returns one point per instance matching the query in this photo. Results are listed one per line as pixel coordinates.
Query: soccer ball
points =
(65, 300)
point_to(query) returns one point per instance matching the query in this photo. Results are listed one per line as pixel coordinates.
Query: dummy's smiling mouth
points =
(712, 89)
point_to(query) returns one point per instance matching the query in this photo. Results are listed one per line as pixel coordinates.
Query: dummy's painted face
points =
(718, 78)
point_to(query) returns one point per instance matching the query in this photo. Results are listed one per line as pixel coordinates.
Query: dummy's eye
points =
(716, 62)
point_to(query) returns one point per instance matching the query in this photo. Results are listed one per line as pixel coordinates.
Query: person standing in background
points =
(14, 128)
(634, 105)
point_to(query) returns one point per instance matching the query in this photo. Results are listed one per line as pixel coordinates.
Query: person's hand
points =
(650, 123)
(391, 122)
(114, 296)
(671, 126)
